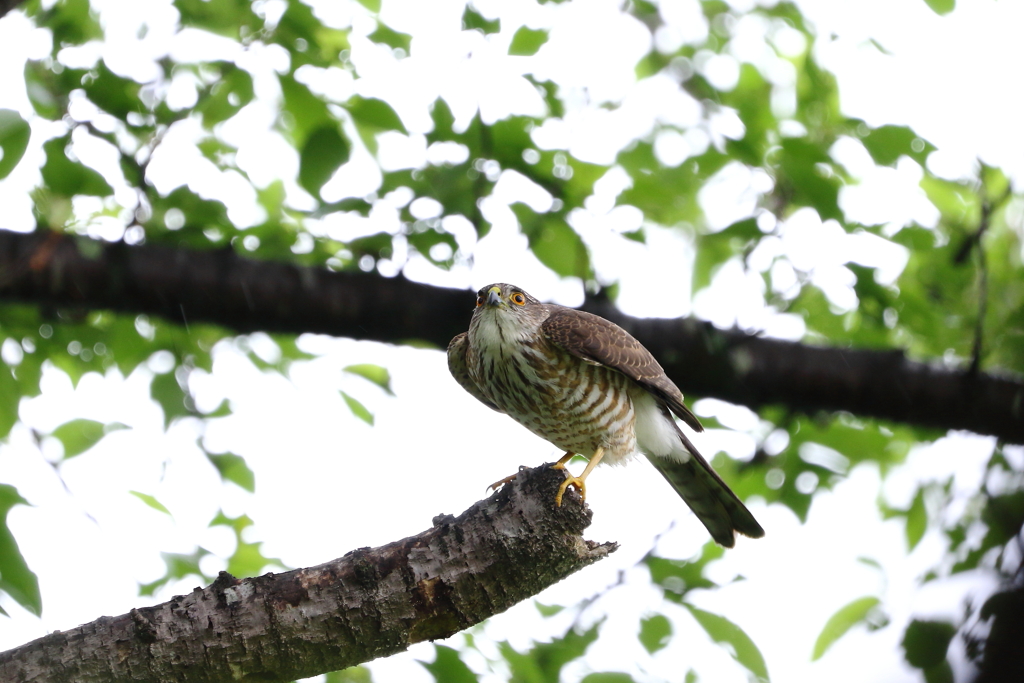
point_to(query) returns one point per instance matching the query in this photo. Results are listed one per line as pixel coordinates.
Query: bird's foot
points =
(501, 482)
(570, 480)
(560, 465)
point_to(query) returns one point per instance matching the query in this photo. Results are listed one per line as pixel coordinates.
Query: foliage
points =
(959, 298)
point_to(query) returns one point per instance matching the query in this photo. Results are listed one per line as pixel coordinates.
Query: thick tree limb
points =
(371, 603)
(221, 287)
(7, 5)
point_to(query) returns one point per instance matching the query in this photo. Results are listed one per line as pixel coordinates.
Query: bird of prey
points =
(587, 386)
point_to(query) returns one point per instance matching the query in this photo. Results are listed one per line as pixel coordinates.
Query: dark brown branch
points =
(371, 603)
(246, 295)
(7, 5)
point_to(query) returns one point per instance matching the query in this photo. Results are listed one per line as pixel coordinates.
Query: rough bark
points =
(221, 287)
(371, 603)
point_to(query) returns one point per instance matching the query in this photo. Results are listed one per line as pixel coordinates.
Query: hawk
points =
(587, 386)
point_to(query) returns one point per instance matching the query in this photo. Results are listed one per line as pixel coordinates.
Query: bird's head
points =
(507, 308)
(502, 297)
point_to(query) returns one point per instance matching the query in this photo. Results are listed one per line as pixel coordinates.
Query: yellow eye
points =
(518, 299)
(480, 301)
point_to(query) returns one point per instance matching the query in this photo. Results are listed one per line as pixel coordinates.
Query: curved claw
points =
(580, 485)
(501, 482)
(571, 480)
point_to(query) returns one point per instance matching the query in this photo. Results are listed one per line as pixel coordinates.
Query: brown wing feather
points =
(597, 340)
(459, 368)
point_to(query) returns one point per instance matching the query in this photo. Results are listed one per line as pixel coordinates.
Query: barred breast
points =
(575, 405)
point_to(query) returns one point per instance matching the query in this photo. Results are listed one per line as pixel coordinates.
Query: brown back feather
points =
(601, 341)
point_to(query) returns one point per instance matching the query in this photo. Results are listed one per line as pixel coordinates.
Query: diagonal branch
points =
(371, 603)
(181, 285)
(7, 5)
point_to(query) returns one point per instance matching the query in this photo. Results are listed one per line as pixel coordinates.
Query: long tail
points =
(714, 503)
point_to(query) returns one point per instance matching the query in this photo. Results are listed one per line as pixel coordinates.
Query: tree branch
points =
(7, 5)
(221, 287)
(370, 603)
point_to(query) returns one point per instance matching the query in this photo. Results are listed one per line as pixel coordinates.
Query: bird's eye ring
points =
(518, 299)
(479, 301)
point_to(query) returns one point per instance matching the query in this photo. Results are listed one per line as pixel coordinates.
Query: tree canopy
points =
(196, 192)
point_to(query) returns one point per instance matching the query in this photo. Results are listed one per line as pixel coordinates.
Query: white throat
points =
(496, 333)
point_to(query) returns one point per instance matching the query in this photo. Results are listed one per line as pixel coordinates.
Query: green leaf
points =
(917, 520)
(10, 399)
(374, 113)
(14, 135)
(16, 579)
(473, 20)
(248, 558)
(940, 673)
(925, 643)
(655, 632)
(231, 18)
(886, 144)
(544, 661)
(678, 577)
(358, 409)
(560, 248)
(547, 610)
(443, 119)
(667, 196)
(553, 242)
(233, 468)
(223, 410)
(447, 667)
(375, 373)
(556, 108)
(303, 112)
(608, 677)
(80, 435)
(112, 93)
(151, 502)
(178, 567)
(324, 151)
(67, 177)
(424, 241)
(372, 5)
(941, 7)
(393, 39)
(232, 91)
(957, 203)
(166, 391)
(353, 674)
(73, 22)
(714, 249)
(200, 216)
(802, 163)
(527, 41)
(722, 630)
(843, 620)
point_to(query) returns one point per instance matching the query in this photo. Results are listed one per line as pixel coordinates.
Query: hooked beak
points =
(494, 296)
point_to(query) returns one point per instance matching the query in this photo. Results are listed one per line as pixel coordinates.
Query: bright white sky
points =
(90, 541)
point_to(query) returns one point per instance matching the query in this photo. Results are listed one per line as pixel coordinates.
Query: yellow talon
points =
(578, 482)
(560, 465)
(501, 482)
(580, 485)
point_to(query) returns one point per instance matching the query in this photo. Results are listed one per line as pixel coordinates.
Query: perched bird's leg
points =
(560, 465)
(578, 482)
